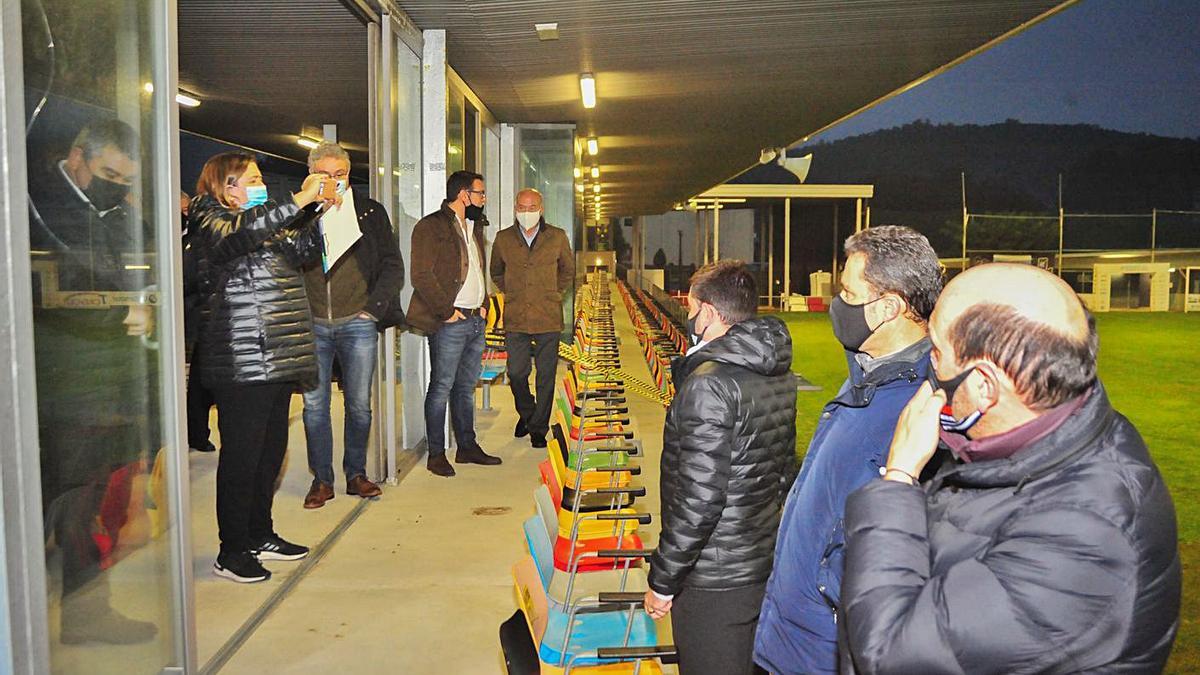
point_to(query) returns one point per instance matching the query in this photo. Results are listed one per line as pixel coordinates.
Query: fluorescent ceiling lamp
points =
(546, 31)
(186, 100)
(596, 188)
(593, 147)
(579, 187)
(597, 199)
(148, 87)
(453, 150)
(595, 171)
(306, 142)
(587, 87)
(578, 172)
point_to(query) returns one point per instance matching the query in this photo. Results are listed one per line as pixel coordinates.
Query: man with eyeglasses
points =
(449, 305)
(533, 265)
(352, 299)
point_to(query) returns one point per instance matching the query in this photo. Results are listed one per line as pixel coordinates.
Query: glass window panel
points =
(92, 155)
(406, 209)
(455, 140)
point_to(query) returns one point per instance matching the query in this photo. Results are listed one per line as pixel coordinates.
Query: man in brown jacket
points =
(533, 265)
(449, 304)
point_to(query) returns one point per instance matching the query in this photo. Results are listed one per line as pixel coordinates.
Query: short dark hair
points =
(1048, 366)
(729, 287)
(901, 261)
(93, 138)
(459, 181)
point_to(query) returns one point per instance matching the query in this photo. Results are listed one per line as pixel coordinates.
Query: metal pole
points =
(1061, 218)
(787, 249)
(834, 267)
(1153, 233)
(867, 224)
(770, 255)
(963, 176)
(716, 229)
(858, 215)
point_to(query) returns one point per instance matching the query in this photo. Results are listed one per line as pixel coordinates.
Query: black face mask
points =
(850, 325)
(474, 212)
(948, 421)
(105, 194)
(697, 338)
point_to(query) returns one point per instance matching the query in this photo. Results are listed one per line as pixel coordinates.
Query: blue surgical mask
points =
(949, 423)
(256, 195)
(342, 185)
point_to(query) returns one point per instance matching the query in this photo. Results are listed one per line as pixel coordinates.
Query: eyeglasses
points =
(481, 193)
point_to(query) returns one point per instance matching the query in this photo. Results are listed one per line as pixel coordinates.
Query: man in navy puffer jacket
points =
(888, 289)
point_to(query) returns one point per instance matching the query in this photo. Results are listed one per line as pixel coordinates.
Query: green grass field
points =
(1150, 364)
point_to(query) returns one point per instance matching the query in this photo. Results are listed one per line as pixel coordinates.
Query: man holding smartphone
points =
(351, 302)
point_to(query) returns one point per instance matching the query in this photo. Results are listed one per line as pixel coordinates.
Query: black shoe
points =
(537, 440)
(275, 547)
(439, 466)
(206, 446)
(521, 431)
(241, 567)
(475, 455)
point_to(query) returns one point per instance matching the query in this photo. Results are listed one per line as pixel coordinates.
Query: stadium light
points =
(587, 87)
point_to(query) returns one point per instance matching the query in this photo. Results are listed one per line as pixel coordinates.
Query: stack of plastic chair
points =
(580, 587)
(659, 337)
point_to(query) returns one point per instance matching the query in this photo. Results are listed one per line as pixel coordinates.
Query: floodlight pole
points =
(1153, 233)
(1061, 218)
(963, 176)
(716, 229)
(787, 249)
(770, 254)
(833, 274)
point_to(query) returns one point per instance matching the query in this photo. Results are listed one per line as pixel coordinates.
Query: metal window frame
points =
(23, 612)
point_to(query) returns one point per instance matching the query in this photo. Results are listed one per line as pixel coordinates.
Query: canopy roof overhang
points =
(689, 91)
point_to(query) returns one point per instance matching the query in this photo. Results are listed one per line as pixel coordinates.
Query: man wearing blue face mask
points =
(355, 298)
(888, 289)
(1043, 540)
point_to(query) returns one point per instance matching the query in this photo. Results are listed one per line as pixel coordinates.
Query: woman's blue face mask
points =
(256, 195)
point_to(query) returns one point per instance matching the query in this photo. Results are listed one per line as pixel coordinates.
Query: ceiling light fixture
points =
(596, 188)
(593, 146)
(579, 187)
(546, 31)
(597, 199)
(185, 99)
(587, 87)
(595, 171)
(578, 172)
(148, 87)
(306, 142)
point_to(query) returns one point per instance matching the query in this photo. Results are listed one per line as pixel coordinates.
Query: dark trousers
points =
(253, 420)
(714, 630)
(456, 359)
(199, 402)
(543, 348)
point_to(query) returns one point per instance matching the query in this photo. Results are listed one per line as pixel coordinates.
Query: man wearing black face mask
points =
(1044, 540)
(449, 305)
(96, 400)
(888, 289)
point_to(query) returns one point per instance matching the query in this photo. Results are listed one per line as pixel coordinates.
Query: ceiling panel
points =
(267, 69)
(690, 90)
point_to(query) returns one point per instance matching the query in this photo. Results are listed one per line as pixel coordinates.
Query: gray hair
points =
(327, 149)
(901, 261)
(97, 136)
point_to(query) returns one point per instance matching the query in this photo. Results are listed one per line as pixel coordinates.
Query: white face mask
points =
(528, 219)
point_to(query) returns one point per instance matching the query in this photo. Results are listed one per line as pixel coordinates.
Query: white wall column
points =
(787, 250)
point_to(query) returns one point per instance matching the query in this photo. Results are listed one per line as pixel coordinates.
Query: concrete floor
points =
(422, 579)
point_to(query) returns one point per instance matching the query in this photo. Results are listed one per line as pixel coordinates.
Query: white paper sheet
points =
(339, 231)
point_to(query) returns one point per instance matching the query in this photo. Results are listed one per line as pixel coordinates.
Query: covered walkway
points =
(422, 579)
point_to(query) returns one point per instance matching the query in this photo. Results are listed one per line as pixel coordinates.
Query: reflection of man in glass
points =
(95, 378)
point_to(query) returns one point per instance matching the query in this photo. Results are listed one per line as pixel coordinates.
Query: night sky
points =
(1129, 65)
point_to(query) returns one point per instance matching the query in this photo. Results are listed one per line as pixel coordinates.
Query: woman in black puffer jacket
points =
(256, 345)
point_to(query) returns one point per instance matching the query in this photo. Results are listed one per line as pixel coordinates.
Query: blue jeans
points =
(456, 358)
(355, 342)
